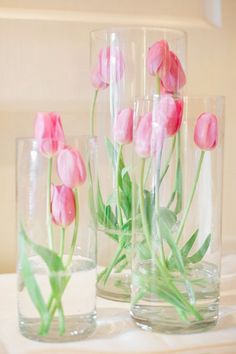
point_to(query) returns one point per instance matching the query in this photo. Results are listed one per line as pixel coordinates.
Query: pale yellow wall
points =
(44, 65)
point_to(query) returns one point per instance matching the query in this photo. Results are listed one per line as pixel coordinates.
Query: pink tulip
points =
(62, 205)
(96, 80)
(123, 126)
(174, 78)
(71, 167)
(143, 133)
(110, 62)
(206, 131)
(168, 114)
(158, 58)
(49, 133)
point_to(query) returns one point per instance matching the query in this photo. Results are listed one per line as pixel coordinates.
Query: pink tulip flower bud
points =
(174, 78)
(62, 205)
(168, 114)
(96, 80)
(71, 168)
(49, 133)
(206, 131)
(142, 138)
(111, 62)
(158, 58)
(123, 126)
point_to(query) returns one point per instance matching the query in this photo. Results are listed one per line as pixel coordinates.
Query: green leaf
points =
(178, 188)
(199, 255)
(104, 213)
(166, 234)
(31, 283)
(168, 217)
(189, 244)
(143, 250)
(51, 258)
(184, 250)
(112, 152)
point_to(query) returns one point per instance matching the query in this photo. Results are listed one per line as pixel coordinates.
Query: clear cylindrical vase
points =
(56, 239)
(125, 62)
(177, 205)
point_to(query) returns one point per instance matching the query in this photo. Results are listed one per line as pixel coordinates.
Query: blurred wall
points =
(44, 65)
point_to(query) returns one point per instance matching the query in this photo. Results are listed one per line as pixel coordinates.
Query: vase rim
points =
(162, 29)
(184, 97)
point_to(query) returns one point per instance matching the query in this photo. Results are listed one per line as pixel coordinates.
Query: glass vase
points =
(120, 70)
(56, 241)
(177, 199)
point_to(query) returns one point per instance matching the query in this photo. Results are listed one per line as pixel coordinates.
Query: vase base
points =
(167, 325)
(76, 328)
(117, 288)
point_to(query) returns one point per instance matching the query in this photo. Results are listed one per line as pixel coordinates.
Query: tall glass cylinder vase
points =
(56, 238)
(177, 205)
(125, 62)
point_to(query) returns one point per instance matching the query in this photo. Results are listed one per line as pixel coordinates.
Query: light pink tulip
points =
(49, 133)
(62, 205)
(206, 131)
(143, 133)
(174, 78)
(158, 58)
(71, 168)
(123, 126)
(110, 62)
(168, 114)
(97, 81)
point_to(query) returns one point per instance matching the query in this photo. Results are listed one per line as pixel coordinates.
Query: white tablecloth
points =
(117, 333)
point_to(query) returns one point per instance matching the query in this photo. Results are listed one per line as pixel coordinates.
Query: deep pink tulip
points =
(62, 205)
(49, 133)
(158, 58)
(71, 168)
(123, 126)
(143, 133)
(174, 78)
(97, 81)
(206, 131)
(168, 114)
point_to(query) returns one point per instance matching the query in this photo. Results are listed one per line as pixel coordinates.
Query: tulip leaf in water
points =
(55, 267)
(31, 283)
(185, 250)
(199, 255)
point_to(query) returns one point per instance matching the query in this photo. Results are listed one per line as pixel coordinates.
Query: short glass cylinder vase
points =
(177, 199)
(124, 65)
(56, 239)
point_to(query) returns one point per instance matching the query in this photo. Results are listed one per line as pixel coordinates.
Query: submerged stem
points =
(49, 219)
(119, 213)
(181, 227)
(92, 114)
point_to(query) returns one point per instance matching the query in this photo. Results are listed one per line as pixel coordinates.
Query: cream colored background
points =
(44, 65)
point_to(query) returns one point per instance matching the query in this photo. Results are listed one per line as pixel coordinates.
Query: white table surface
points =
(117, 333)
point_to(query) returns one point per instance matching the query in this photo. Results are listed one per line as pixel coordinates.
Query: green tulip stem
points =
(167, 165)
(49, 218)
(92, 114)
(185, 215)
(142, 206)
(161, 266)
(62, 243)
(76, 227)
(119, 213)
(158, 83)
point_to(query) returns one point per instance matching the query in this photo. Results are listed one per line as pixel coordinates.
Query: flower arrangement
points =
(166, 261)
(164, 65)
(62, 216)
(162, 226)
